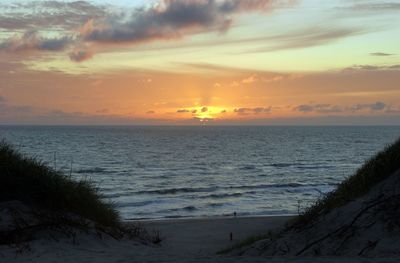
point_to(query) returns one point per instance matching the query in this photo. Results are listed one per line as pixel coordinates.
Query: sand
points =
(185, 240)
(368, 226)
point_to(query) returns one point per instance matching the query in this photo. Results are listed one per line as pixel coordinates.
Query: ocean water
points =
(172, 172)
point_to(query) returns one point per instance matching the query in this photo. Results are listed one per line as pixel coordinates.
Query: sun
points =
(208, 112)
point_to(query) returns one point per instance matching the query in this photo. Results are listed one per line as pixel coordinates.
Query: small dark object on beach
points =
(234, 214)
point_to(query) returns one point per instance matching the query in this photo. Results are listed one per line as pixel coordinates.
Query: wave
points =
(177, 190)
(188, 208)
(248, 167)
(133, 204)
(91, 170)
(171, 191)
(224, 195)
(301, 165)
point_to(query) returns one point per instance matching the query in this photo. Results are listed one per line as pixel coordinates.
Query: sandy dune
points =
(187, 240)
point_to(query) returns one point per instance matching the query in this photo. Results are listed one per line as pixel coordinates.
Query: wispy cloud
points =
(80, 55)
(256, 110)
(82, 24)
(320, 108)
(381, 54)
(329, 108)
(307, 38)
(183, 111)
(372, 67)
(377, 106)
(170, 19)
(32, 41)
(375, 6)
(31, 15)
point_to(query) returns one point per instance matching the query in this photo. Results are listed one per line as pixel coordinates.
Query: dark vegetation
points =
(31, 181)
(37, 198)
(374, 171)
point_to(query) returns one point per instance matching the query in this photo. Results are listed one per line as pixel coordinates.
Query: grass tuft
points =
(32, 182)
(374, 171)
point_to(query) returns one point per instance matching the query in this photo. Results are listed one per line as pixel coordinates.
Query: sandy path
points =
(207, 236)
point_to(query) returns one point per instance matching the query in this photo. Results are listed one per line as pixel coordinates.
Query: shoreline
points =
(207, 236)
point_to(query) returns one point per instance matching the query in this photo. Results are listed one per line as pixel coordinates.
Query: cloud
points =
(80, 55)
(329, 108)
(249, 80)
(381, 54)
(320, 108)
(375, 6)
(371, 67)
(100, 25)
(183, 111)
(170, 19)
(257, 110)
(204, 109)
(306, 38)
(46, 14)
(14, 110)
(150, 112)
(32, 41)
(377, 106)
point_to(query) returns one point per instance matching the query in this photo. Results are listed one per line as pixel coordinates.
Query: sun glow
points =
(203, 113)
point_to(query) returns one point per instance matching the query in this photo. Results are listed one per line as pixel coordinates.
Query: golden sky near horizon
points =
(200, 61)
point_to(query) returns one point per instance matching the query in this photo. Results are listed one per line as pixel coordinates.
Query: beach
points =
(206, 236)
(184, 240)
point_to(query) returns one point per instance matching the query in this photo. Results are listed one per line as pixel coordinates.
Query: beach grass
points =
(33, 182)
(375, 170)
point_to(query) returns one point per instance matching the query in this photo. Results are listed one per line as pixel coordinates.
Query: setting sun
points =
(199, 131)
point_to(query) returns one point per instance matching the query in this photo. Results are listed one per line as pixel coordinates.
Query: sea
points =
(204, 171)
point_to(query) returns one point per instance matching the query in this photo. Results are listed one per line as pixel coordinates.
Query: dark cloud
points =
(304, 108)
(183, 111)
(328, 108)
(377, 106)
(320, 108)
(381, 54)
(171, 19)
(204, 109)
(80, 55)
(32, 41)
(257, 110)
(167, 19)
(150, 112)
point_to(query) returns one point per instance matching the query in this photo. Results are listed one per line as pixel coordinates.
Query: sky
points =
(200, 62)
